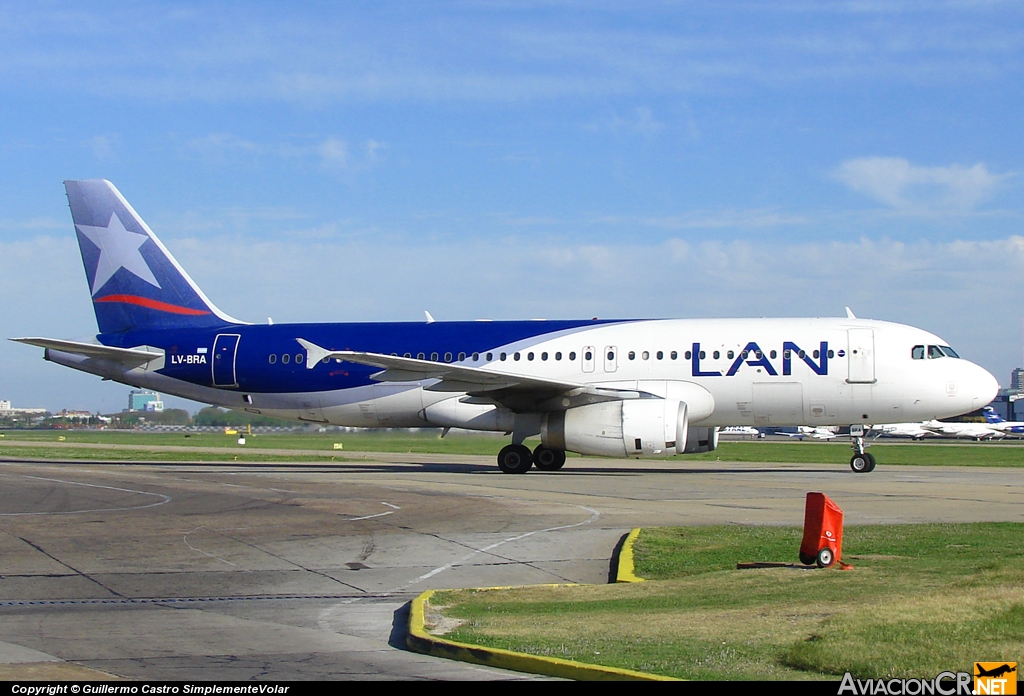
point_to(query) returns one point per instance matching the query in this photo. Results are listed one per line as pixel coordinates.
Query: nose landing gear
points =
(861, 462)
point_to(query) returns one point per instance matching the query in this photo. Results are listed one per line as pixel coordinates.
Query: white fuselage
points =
(865, 374)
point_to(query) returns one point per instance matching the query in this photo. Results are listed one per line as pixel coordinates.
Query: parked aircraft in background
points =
(967, 431)
(619, 388)
(911, 430)
(995, 421)
(741, 431)
(819, 433)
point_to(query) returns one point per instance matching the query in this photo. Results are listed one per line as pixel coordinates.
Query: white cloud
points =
(903, 186)
(373, 150)
(219, 147)
(501, 52)
(646, 124)
(713, 219)
(333, 152)
(102, 146)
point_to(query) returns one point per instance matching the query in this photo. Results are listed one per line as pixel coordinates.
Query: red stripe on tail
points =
(151, 304)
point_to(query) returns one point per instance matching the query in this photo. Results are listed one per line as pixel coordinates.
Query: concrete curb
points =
(419, 640)
(624, 570)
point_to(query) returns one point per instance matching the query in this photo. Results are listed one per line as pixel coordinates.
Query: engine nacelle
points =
(453, 413)
(634, 428)
(701, 440)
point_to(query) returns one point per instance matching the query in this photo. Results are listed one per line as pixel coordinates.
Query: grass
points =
(921, 599)
(428, 441)
(126, 454)
(205, 447)
(368, 440)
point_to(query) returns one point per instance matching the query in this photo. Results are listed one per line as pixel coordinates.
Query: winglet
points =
(314, 353)
(430, 319)
(849, 313)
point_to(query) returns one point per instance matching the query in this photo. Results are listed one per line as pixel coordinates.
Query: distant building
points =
(1017, 379)
(6, 410)
(73, 415)
(141, 400)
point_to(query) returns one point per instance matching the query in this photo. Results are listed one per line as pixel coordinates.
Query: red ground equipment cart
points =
(823, 531)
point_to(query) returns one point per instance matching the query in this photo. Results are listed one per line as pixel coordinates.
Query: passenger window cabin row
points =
(631, 355)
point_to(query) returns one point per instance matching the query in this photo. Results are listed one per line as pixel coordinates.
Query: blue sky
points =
(353, 161)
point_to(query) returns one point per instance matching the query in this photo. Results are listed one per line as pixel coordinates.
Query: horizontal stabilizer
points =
(132, 357)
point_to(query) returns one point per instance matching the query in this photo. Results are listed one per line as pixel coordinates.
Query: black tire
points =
(860, 463)
(515, 459)
(547, 459)
(871, 463)
(825, 558)
(807, 559)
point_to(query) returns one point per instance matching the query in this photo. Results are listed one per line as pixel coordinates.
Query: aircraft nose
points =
(984, 386)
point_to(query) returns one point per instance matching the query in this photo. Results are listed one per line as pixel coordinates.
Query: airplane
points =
(911, 430)
(967, 431)
(995, 421)
(819, 433)
(617, 388)
(743, 430)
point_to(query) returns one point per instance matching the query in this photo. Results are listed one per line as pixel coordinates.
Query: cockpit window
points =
(935, 352)
(917, 353)
(949, 351)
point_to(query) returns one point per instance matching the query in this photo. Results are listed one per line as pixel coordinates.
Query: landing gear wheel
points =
(806, 559)
(825, 558)
(861, 463)
(547, 459)
(515, 459)
(871, 462)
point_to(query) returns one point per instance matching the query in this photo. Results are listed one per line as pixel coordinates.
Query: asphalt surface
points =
(303, 571)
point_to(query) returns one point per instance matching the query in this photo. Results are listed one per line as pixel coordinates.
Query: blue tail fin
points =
(136, 284)
(991, 416)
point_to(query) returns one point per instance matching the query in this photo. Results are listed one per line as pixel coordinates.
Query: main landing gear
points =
(861, 462)
(517, 459)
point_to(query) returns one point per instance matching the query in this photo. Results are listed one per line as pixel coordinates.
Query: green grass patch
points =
(430, 442)
(427, 441)
(126, 454)
(908, 454)
(921, 599)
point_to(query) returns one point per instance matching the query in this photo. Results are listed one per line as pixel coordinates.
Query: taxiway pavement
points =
(301, 571)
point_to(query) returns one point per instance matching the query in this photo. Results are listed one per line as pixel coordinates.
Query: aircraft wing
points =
(132, 357)
(482, 385)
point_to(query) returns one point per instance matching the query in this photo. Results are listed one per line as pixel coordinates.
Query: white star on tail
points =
(119, 249)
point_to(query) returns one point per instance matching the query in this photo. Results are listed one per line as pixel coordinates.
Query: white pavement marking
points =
(370, 517)
(210, 555)
(594, 515)
(164, 498)
(324, 620)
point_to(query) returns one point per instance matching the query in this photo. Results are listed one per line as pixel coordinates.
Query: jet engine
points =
(632, 428)
(701, 440)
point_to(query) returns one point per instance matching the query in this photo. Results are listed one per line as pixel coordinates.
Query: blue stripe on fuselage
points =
(255, 374)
